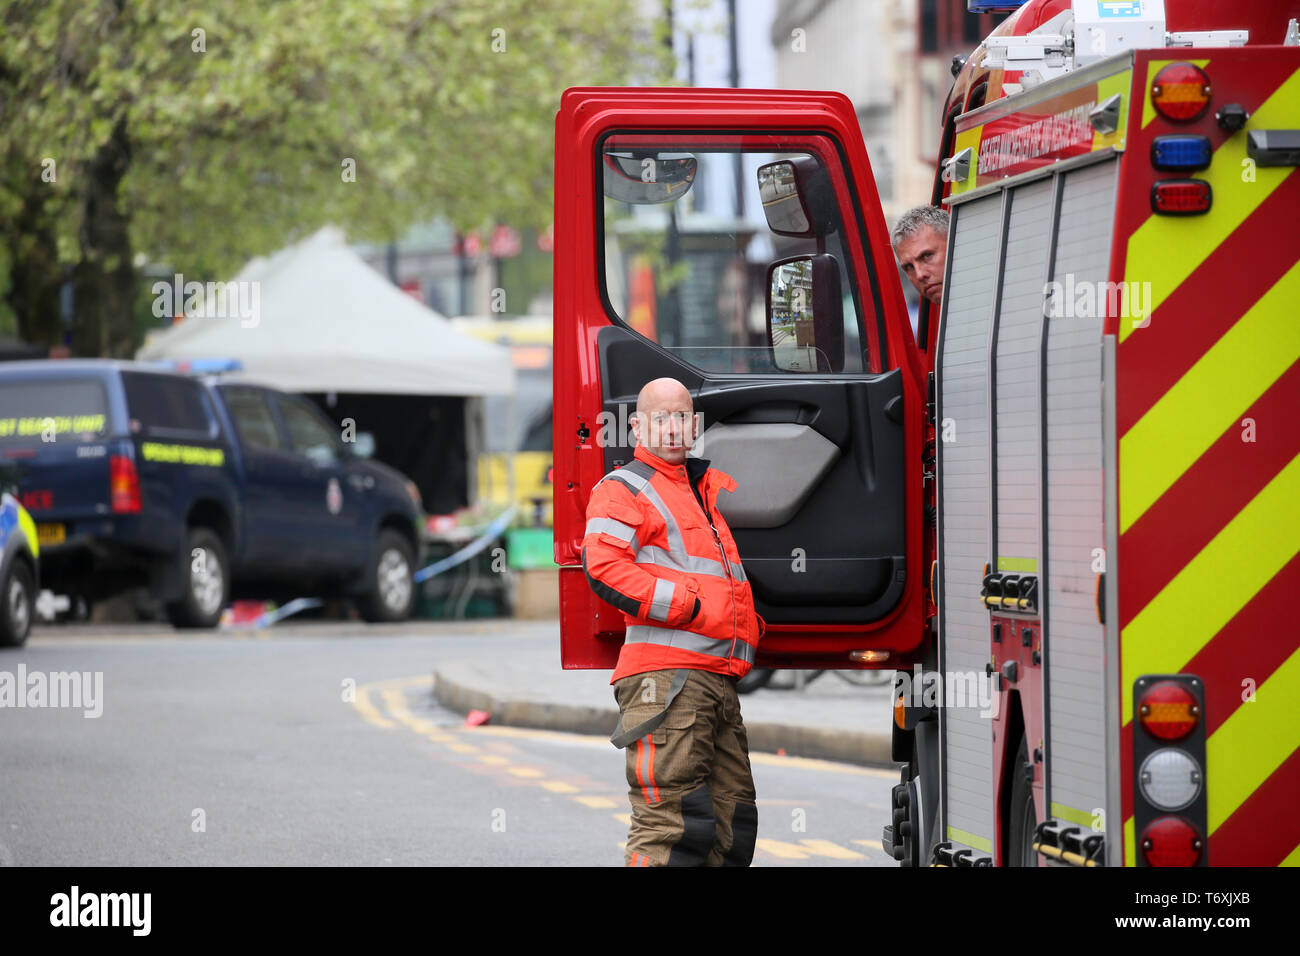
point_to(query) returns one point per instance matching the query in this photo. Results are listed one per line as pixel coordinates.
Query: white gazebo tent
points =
(327, 322)
(315, 318)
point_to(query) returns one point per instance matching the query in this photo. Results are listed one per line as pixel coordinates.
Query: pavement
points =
(827, 718)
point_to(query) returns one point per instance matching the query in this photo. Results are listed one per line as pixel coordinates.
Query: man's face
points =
(921, 256)
(665, 425)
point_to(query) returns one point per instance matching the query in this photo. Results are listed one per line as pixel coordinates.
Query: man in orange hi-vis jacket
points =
(657, 548)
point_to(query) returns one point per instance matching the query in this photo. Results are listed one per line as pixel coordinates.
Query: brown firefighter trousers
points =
(689, 780)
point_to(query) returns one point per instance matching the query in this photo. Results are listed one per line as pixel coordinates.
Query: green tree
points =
(200, 134)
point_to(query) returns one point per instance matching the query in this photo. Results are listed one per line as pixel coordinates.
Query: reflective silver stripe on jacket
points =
(680, 562)
(676, 546)
(624, 532)
(635, 474)
(737, 571)
(689, 641)
(662, 600)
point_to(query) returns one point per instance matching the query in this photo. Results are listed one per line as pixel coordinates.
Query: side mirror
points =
(647, 179)
(797, 198)
(364, 446)
(805, 314)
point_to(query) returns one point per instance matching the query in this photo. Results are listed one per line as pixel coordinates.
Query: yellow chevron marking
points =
(1130, 844)
(971, 138)
(1165, 250)
(1154, 67)
(1215, 585)
(1251, 744)
(1292, 858)
(1121, 83)
(1208, 399)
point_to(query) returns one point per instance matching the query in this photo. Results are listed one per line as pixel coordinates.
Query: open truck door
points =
(788, 326)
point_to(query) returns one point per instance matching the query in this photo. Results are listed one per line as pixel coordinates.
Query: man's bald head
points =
(661, 390)
(664, 422)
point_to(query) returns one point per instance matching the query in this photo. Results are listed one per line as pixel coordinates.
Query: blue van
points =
(200, 491)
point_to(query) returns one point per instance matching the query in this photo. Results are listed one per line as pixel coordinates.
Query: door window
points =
(686, 266)
(253, 419)
(307, 433)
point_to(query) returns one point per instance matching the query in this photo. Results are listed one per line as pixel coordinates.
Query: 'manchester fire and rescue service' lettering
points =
(1047, 135)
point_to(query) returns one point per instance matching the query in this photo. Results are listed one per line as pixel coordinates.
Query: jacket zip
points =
(726, 569)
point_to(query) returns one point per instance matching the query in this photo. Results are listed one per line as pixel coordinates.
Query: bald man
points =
(657, 549)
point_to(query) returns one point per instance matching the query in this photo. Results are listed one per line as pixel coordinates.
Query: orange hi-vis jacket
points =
(651, 550)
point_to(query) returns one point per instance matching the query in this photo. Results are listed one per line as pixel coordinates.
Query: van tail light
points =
(1168, 711)
(1181, 92)
(123, 485)
(1170, 841)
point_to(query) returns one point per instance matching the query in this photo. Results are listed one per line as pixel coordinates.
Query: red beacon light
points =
(1181, 92)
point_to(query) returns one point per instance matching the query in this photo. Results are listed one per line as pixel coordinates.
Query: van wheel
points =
(19, 602)
(1022, 820)
(390, 593)
(207, 582)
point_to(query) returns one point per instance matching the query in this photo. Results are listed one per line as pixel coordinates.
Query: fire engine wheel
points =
(18, 596)
(1022, 820)
(207, 582)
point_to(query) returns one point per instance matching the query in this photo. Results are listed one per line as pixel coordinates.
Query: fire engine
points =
(1067, 509)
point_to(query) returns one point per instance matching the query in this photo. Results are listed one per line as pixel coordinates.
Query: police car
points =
(201, 491)
(19, 571)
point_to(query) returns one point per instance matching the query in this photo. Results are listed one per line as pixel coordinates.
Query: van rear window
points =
(164, 404)
(30, 411)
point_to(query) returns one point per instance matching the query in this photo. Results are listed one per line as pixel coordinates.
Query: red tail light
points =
(1168, 711)
(123, 485)
(1181, 197)
(1170, 841)
(1181, 92)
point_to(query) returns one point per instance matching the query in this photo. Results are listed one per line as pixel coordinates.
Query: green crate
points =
(530, 548)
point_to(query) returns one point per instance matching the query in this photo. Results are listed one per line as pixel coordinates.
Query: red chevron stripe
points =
(1266, 827)
(1208, 495)
(1231, 280)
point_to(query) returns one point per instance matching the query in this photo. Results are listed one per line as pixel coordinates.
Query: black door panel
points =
(840, 558)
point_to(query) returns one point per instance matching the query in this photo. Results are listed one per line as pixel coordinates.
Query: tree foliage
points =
(200, 134)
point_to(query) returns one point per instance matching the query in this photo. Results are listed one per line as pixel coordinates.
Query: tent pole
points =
(513, 446)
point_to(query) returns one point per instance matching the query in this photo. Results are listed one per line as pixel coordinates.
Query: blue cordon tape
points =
(490, 534)
(293, 607)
